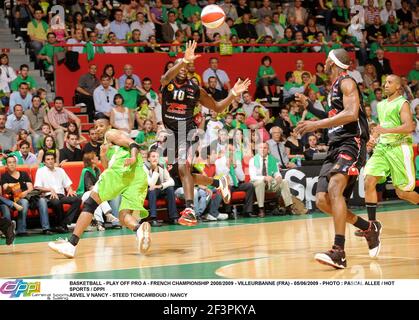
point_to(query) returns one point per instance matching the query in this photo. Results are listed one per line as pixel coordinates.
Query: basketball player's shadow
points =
(17, 252)
(66, 267)
(161, 252)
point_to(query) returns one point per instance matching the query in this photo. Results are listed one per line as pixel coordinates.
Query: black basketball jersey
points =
(178, 104)
(356, 129)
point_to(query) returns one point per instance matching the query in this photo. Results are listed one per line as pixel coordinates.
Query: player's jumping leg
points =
(336, 256)
(68, 247)
(222, 184)
(142, 230)
(187, 216)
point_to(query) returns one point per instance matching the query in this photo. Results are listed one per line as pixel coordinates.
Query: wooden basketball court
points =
(274, 247)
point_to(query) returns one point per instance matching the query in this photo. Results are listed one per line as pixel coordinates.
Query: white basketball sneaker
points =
(144, 237)
(62, 246)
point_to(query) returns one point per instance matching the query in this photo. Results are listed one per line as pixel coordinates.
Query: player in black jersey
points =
(348, 135)
(179, 98)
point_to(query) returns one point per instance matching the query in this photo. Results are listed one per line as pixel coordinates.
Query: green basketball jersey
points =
(389, 117)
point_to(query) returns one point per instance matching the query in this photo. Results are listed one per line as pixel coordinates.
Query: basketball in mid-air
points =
(212, 16)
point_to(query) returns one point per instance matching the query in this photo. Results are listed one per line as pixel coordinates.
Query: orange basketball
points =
(212, 16)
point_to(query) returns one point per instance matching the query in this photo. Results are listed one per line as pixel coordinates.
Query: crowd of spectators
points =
(250, 141)
(329, 24)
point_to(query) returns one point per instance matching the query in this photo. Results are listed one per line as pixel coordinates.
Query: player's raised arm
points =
(219, 106)
(189, 57)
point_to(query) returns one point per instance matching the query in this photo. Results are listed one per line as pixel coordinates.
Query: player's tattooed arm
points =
(219, 106)
(407, 123)
(189, 57)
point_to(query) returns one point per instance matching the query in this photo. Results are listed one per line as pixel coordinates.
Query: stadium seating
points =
(74, 169)
(415, 154)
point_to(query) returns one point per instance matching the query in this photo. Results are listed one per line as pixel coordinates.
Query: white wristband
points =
(234, 93)
(185, 61)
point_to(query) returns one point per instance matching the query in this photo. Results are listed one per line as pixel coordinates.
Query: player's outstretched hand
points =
(129, 161)
(306, 126)
(190, 51)
(241, 86)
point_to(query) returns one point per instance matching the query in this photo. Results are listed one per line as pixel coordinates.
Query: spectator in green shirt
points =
(135, 38)
(130, 94)
(291, 87)
(266, 76)
(268, 41)
(176, 9)
(24, 77)
(238, 123)
(253, 49)
(288, 37)
(296, 114)
(191, 9)
(230, 23)
(48, 50)
(147, 136)
(391, 26)
(90, 49)
(334, 42)
(413, 75)
(393, 45)
(235, 40)
(375, 46)
(196, 24)
(300, 42)
(308, 83)
(409, 41)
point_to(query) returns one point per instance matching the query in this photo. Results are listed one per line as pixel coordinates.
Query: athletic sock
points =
(74, 240)
(340, 241)
(362, 224)
(189, 204)
(371, 209)
(216, 183)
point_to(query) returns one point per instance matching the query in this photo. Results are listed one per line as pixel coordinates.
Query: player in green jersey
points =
(393, 156)
(125, 176)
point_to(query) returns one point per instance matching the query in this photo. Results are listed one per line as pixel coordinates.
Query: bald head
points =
(395, 78)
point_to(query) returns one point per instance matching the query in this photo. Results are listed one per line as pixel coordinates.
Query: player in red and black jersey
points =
(348, 135)
(179, 98)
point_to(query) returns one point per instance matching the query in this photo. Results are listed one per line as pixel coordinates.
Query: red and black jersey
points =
(178, 104)
(356, 129)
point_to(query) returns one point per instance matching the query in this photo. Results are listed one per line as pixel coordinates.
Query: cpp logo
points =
(20, 287)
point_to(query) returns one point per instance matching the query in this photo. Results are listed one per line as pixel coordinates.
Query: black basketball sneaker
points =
(335, 258)
(372, 235)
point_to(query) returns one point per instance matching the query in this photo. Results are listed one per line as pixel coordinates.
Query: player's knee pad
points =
(90, 205)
